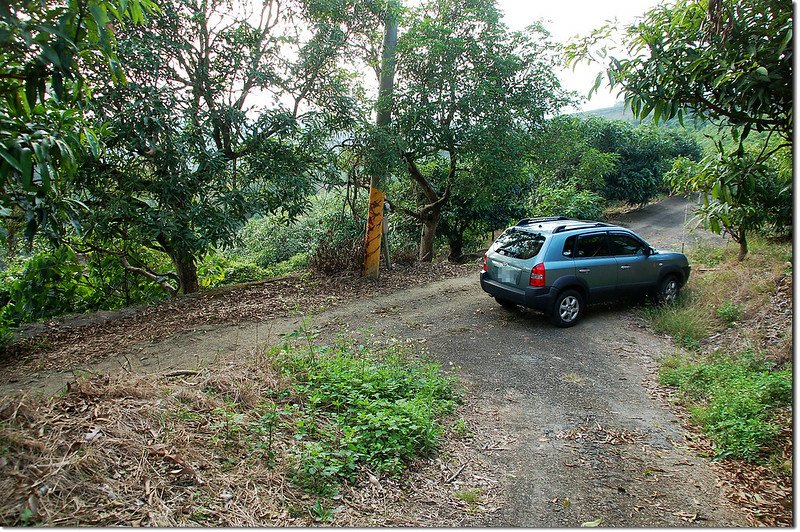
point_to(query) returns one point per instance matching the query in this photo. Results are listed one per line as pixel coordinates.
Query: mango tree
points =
(227, 113)
(466, 84)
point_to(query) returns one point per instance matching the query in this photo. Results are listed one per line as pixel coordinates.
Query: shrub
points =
(50, 284)
(378, 412)
(733, 399)
(243, 272)
(730, 312)
(294, 263)
(341, 245)
(568, 201)
(112, 286)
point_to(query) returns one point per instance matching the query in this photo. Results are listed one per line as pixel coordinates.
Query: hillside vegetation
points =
(733, 373)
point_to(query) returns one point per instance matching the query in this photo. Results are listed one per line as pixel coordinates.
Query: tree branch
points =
(148, 274)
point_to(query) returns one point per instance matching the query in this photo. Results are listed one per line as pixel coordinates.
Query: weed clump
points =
(733, 399)
(362, 411)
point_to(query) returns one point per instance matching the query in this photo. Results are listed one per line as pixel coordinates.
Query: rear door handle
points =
(624, 267)
(584, 270)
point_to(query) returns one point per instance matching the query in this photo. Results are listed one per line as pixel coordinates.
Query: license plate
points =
(508, 275)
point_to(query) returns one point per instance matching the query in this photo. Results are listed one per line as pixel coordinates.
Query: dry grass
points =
(760, 289)
(167, 451)
(733, 307)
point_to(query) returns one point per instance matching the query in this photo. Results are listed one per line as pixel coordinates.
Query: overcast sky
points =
(567, 18)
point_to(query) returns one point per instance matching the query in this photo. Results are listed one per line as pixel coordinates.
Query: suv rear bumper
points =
(535, 298)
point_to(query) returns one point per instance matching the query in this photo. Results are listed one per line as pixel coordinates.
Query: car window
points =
(593, 245)
(622, 244)
(569, 246)
(519, 244)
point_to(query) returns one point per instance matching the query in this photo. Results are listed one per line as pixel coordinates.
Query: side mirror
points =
(649, 251)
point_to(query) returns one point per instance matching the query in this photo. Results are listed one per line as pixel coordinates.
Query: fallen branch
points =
(454, 475)
(182, 373)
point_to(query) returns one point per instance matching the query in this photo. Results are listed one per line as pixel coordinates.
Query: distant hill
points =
(619, 112)
(616, 112)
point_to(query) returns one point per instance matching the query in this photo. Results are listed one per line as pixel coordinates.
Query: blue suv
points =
(559, 265)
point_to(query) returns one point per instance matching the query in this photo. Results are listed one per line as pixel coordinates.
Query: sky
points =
(567, 18)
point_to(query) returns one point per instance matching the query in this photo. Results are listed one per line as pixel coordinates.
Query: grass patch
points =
(686, 321)
(736, 382)
(733, 399)
(361, 410)
(469, 495)
(237, 446)
(723, 292)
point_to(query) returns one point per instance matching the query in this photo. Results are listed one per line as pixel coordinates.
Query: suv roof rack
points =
(526, 221)
(582, 225)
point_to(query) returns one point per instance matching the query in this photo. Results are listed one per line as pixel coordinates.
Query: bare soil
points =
(570, 425)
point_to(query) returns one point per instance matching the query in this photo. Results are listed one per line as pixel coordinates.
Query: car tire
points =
(568, 308)
(505, 303)
(668, 290)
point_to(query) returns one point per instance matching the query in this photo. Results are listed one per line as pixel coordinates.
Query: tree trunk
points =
(186, 268)
(742, 245)
(456, 242)
(429, 224)
(375, 221)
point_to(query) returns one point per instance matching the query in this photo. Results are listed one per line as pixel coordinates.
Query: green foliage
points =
(567, 201)
(195, 153)
(468, 93)
(268, 240)
(44, 49)
(111, 286)
(613, 158)
(380, 412)
(243, 272)
(732, 399)
(644, 154)
(742, 193)
(730, 312)
(725, 61)
(564, 154)
(48, 285)
(324, 238)
(53, 282)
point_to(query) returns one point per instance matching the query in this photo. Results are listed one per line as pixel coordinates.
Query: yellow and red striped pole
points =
(372, 257)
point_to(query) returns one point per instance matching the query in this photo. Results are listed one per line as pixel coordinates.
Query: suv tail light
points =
(537, 275)
(485, 265)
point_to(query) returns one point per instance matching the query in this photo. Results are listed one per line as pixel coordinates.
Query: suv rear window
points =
(519, 244)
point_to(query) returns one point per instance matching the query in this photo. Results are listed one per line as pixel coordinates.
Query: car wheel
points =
(668, 290)
(568, 309)
(505, 303)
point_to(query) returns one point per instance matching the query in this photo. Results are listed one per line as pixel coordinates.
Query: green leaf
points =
(11, 160)
(784, 42)
(592, 524)
(58, 85)
(52, 56)
(26, 161)
(91, 139)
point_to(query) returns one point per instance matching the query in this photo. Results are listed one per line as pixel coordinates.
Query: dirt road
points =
(590, 441)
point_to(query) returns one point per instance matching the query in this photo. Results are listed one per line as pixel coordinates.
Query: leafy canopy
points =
(45, 48)
(722, 60)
